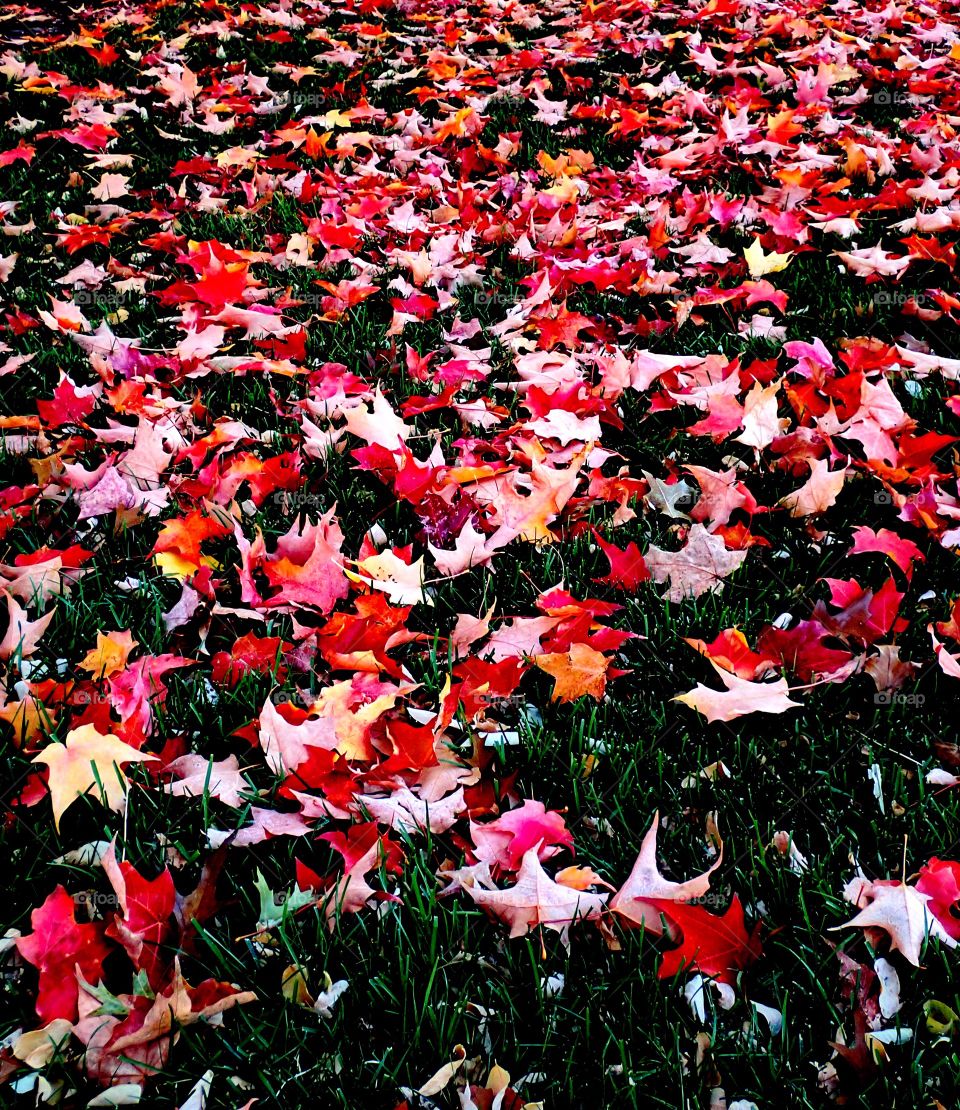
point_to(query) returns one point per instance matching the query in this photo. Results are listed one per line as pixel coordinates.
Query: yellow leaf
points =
(110, 655)
(294, 986)
(759, 263)
(87, 756)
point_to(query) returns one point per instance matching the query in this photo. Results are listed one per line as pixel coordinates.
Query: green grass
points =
(426, 974)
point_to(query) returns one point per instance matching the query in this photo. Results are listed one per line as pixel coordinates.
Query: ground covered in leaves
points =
(478, 554)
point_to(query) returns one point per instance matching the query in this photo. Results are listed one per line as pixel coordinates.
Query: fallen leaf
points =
(701, 565)
(88, 762)
(740, 698)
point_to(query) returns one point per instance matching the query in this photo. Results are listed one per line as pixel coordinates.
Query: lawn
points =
(479, 611)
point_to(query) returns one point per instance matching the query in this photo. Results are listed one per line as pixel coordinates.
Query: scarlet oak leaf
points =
(902, 912)
(577, 672)
(699, 566)
(715, 945)
(639, 901)
(740, 697)
(57, 945)
(536, 899)
(88, 762)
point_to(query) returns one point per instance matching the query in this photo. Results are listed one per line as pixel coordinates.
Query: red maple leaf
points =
(56, 947)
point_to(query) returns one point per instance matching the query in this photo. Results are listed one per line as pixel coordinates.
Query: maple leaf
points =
(887, 669)
(23, 634)
(58, 945)
(731, 651)
(470, 550)
(819, 491)
(504, 842)
(721, 495)
(949, 664)
(144, 925)
(287, 743)
(740, 697)
(267, 824)
(561, 329)
(577, 672)
(306, 565)
(759, 263)
(379, 424)
(68, 406)
(110, 655)
(940, 879)
(899, 550)
(404, 809)
(699, 566)
(88, 761)
(645, 886)
(402, 582)
(873, 260)
(363, 849)
(525, 503)
(197, 775)
(135, 690)
(178, 1006)
(536, 899)
(627, 567)
(761, 422)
